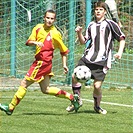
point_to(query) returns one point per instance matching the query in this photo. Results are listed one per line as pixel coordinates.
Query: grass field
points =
(39, 113)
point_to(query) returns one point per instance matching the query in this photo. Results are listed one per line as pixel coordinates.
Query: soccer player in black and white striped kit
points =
(97, 57)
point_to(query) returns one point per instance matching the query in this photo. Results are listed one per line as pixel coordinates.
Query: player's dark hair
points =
(51, 11)
(100, 4)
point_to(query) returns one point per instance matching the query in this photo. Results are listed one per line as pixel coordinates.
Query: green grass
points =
(39, 113)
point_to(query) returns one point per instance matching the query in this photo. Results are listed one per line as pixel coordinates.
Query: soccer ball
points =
(82, 73)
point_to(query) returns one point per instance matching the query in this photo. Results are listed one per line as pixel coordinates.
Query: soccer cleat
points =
(75, 102)
(5, 108)
(71, 107)
(100, 110)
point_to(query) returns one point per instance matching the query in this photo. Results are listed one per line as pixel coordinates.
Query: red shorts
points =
(38, 70)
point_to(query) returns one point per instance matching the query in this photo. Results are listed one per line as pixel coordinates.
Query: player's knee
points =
(74, 80)
(44, 90)
(97, 86)
(23, 83)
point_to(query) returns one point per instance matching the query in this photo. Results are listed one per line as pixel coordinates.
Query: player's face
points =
(49, 19)
(100, 13)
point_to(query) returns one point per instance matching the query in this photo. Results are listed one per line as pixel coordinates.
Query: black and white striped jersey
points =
(101, 36)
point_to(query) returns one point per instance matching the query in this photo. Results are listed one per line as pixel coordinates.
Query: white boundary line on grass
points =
(116, 104)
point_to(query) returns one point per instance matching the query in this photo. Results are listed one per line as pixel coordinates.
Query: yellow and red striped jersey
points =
(51, 38)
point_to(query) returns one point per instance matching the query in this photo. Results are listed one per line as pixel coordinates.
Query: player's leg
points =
(98, 74)
(46, 89)
(18, 96)
(97, 95)
(76, 87)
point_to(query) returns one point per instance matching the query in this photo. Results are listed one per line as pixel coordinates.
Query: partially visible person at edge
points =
(46, 38)
(97, 57)
(112, 12)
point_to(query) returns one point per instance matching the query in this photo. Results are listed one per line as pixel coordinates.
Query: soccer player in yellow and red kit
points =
(46, 38)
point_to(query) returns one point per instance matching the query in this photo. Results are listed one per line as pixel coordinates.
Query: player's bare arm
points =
(118, 55)
(64, 60)
(80, 35)
(34, 43)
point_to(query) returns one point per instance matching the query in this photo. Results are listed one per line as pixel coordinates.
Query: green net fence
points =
(18, 17)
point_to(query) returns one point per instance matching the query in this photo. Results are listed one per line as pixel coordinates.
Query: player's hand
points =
(40, 44)
(65, 69)
(117, 56)
(78, 29)
(119, 23)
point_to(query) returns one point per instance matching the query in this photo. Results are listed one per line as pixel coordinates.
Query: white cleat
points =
(100, 110)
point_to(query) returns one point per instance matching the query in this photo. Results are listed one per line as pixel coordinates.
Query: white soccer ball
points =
(82, 73)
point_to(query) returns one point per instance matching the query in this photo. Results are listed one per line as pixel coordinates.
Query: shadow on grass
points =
(68, 113)
(51, 113)
(88, 111)
(43, 113)
(92, 112)
(83, 111)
